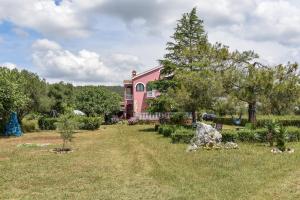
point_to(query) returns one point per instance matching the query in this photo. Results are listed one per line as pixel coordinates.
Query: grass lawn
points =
(132, 162)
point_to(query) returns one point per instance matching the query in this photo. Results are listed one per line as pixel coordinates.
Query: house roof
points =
(147, 72)
(127, 82)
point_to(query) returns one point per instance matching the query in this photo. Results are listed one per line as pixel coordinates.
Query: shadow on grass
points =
(147, 130)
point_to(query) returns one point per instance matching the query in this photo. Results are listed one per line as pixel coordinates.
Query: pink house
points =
(136, 91)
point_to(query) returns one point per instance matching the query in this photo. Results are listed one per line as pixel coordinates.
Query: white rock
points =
(231, 145)
(206, 136)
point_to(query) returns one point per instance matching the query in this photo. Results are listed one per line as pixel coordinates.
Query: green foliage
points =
(285, 121)
(182, 135)
(163, 103)
(89, 123)
(273, 129)
(286, 90)
(47, 123)
(229, 136)
(188, 68)
(166, 130)
(280, 138)
(66, 125)
(12, 94)
(62, 95)
(96, 101)
(29, 125)
(178, 118)
(293, 134)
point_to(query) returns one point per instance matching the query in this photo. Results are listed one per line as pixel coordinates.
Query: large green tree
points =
(247, 81)
(96, 100)
(189, 65)
(12, 95)
(286, 91)
(62, 96)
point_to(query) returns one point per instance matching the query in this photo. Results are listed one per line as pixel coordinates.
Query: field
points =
(133, 162)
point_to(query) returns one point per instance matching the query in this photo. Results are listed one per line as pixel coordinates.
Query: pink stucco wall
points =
(139, 98)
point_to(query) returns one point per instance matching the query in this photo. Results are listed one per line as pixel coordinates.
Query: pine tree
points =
(189, 49)
(190, 58)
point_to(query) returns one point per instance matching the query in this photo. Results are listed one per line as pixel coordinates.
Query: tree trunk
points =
(252, 112)
(194, 117)
(64, 144)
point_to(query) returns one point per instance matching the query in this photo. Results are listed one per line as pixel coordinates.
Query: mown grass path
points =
(132, 162)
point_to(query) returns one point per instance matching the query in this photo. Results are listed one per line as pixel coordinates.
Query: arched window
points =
(140, 87)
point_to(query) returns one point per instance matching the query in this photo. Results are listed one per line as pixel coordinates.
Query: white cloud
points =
(45, 17)
(85, 66)
(9, 65)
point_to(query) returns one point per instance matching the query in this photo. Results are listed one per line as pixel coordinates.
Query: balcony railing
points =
(128, 96)
(151, 94)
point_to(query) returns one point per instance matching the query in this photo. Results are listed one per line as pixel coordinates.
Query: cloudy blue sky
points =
(101, 41)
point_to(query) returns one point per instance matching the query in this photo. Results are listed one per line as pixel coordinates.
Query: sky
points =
(101, 41)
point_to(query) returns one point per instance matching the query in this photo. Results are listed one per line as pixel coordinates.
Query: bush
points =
(89, 123)
(259, 122)
(182, 135)
(160, 130)
(178, 118)
(166, 130)
(229, 136)
(293, 134)
(156, 126)
(29, 125)
(47, 123)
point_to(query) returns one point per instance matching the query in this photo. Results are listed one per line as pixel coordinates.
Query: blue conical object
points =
(13, 128)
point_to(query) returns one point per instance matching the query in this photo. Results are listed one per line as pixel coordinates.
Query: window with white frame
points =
(140, 87)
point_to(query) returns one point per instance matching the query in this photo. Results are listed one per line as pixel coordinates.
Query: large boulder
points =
(206, 136)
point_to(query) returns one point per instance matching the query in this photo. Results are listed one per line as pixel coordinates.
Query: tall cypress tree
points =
(189, 59)
(188, 50)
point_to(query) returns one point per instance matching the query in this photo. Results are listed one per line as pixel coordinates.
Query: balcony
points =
(128, 97)
(151, 94)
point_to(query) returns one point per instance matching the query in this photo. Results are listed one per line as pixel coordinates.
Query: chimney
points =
(133, 73)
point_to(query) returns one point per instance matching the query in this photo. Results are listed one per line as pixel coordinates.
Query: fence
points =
(156, 116)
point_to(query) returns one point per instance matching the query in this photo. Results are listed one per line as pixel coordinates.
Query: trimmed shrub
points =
(229, 136)
(259, 122)
(178, 118)
(29, 125)
(168, 130)
(47, 123)
(160, 130)
(246, 135)
(156, 126)
(89, 123)
(182, 135)
(293, 134)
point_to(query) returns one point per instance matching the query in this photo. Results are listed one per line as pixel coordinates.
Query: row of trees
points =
(25, 92)
(198, 76)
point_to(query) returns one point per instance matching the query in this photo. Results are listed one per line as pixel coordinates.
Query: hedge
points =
(85, 123)
(182, 135)
(258, 135)
(29, 125)
(89, 123)
(166, 130)
(47, 123)
(259, 122)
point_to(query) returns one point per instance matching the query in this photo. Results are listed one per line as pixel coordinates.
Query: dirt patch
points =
(61, 150)
(4, 158)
